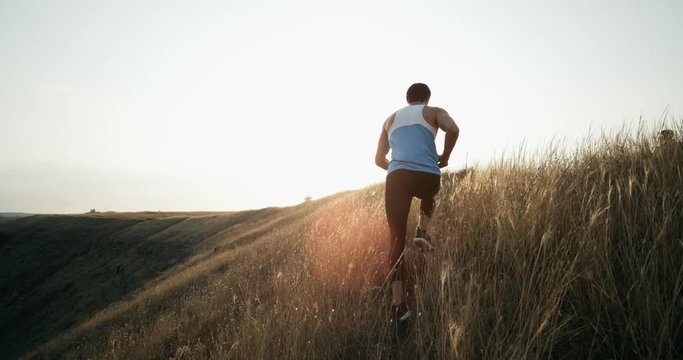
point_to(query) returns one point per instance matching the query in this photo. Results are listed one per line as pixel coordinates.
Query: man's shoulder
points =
(431, 113)
(389, 121)
(433, 109)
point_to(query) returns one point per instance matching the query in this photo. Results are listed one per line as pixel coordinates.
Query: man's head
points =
(418, 93)
(666, 135)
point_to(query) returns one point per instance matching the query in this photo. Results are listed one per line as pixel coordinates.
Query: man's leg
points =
(425, 218)
(397, 205)
(429, 186)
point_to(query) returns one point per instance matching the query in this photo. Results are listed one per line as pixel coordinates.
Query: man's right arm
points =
(447, 124)
(383, 145)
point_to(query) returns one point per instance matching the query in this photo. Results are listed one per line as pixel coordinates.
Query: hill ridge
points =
(119, 228)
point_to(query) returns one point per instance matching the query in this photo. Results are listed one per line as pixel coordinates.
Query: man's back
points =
(431, 114)
(411, 139)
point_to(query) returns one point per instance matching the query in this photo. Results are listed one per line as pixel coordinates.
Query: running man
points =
(414, 170)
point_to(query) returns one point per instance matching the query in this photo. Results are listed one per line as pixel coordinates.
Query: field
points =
(553, 256)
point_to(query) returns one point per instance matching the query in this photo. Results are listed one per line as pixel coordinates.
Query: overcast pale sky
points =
(228, 105)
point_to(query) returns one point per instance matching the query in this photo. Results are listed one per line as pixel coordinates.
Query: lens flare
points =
(347, 242)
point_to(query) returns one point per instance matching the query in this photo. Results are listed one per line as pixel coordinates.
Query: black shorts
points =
(402, 185)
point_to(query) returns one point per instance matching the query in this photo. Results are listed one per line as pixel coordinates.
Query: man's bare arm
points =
(382, 150)
(447, 124)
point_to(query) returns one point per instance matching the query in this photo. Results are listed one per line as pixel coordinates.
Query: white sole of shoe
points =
(423, 243)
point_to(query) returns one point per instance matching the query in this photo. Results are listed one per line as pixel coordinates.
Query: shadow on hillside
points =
(58, 270)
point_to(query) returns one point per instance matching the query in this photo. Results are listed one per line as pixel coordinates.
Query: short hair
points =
(666, 134)
(418, 92)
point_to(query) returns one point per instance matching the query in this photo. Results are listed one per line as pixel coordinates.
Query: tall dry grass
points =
(562, 256)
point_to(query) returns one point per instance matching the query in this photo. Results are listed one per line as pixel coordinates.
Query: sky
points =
(232, 105)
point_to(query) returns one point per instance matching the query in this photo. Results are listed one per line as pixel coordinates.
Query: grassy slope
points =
(575, 257)
(8, 216)
(59, 270)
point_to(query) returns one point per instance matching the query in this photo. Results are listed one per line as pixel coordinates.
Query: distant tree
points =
(308, 198)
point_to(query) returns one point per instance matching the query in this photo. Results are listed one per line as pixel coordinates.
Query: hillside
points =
(6, 216)
(59, 270)
(557, 256)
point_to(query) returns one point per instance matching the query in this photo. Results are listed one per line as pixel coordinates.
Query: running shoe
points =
(402, 317)
(422, 240)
